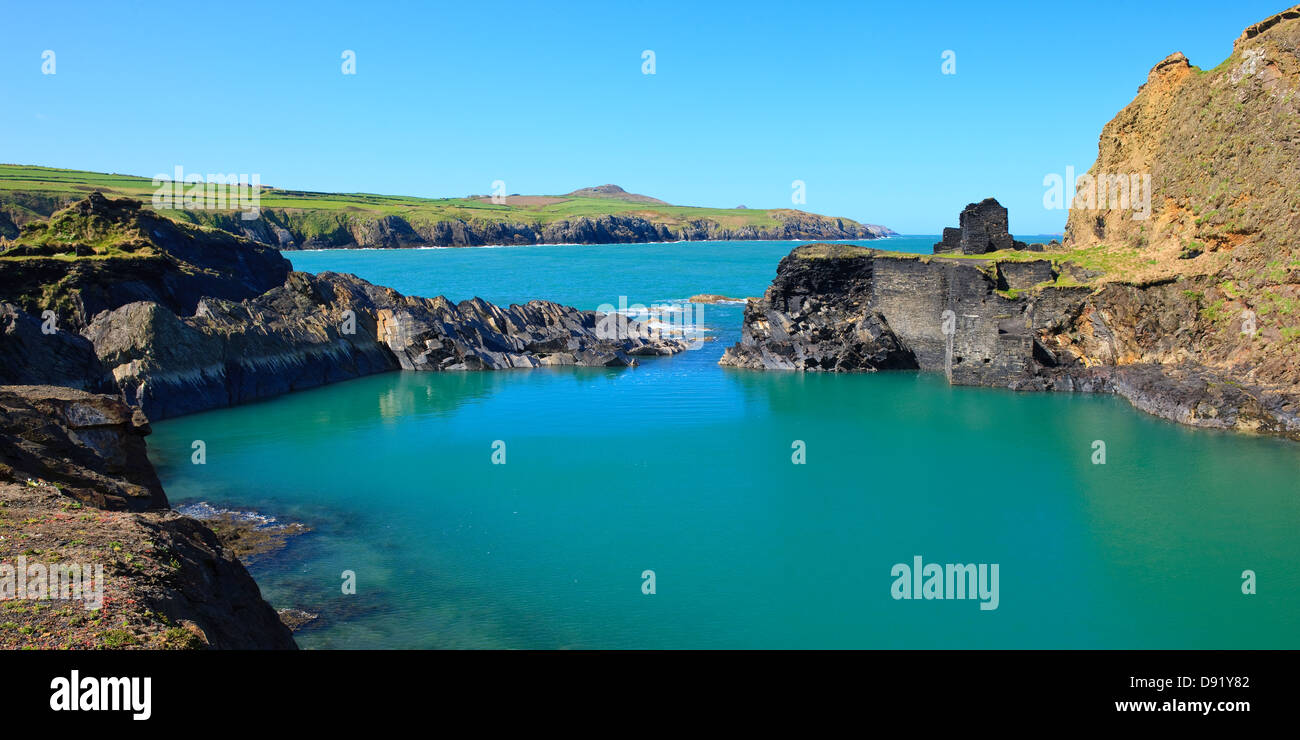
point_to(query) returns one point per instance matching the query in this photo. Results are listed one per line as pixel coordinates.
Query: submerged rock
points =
(248, 534)
(714, 298)
(296, 619)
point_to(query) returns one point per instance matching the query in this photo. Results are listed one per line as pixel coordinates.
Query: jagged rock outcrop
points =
(845, 308)
(172, 350)
(291, 338)
(134, 255)
(31, 356)
(91, 446)
(1215, 156)
(1183, 299)
(801, 322)
(319, 329)
(166, 580)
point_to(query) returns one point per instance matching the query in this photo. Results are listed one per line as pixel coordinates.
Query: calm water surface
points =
(684, 468)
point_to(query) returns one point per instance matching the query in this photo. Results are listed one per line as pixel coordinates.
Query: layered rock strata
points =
(997, 323)
(146, 323)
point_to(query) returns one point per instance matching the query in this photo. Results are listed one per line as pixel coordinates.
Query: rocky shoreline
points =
(180, 319)
(295, 229)
(77, 487)
(1185, 302)
(840, 308)
(111, 316)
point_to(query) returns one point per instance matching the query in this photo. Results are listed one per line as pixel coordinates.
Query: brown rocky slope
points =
(1222, 147)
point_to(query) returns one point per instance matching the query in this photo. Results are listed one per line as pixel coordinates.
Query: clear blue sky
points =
(747, 97)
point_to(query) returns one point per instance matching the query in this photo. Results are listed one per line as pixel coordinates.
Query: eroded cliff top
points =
(100, 253)
(1215, 158)
(1088, 267)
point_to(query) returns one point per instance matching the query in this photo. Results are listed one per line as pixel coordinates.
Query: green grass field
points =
(17, 181)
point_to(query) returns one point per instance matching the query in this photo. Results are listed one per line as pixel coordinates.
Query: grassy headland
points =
(310, 219)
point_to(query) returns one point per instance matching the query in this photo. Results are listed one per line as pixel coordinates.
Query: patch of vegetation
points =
(840, 251)
(1272, 303)
(1216, 312)
(117, 638)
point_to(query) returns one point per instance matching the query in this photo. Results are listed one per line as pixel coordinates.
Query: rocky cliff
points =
(287, 230)
(99, 253)
(1221, 148)
(181, 319)
(1020, 324)
(1176, 287)
(76, 487)
(319, 329)
(297, 220)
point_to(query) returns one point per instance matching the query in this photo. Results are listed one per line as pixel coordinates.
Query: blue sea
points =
(687, 470)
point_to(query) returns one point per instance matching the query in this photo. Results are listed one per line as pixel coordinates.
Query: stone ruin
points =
(983, 229)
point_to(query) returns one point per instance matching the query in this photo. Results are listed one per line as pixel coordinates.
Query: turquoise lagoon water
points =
(684, 468)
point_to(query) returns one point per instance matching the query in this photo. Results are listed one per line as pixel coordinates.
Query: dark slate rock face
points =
(91, 445)
(951, 241)
(843, 307)
(850, 308)
(811, 319)
(176, 265)
(28, 356)
(320, 329)
(1024, 275)
(983, 229)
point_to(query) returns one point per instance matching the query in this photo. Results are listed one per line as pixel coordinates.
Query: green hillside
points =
(30, 192)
